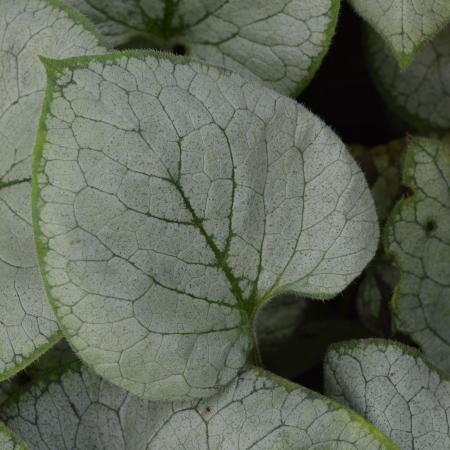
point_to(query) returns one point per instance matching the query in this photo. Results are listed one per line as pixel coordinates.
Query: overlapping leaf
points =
(280, 41)
(417, 236)
(27, 28)
(76, 409)
(393, 387)
(187, 197)
(405, 25)
(420, 94)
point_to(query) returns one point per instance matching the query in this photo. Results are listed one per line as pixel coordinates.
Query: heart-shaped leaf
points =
(417, 234)
(393, 387)
(405, 25)
(27, 28)
(420, 94)
(172, 199)
(280, 41)
(77, 409)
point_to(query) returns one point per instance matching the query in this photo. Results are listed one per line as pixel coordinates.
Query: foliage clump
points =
(167, 223)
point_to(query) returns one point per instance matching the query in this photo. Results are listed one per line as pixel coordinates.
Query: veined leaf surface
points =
(420, 94)
(417, 235)
(76, 409)
(394, 388)
(405, 25)
(171, 200)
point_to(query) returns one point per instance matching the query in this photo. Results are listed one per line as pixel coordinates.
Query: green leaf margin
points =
(327, 42)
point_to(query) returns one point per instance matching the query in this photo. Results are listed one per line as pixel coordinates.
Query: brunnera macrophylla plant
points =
(171, 198)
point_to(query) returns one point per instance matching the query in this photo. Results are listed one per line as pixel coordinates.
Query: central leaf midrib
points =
(245, 305)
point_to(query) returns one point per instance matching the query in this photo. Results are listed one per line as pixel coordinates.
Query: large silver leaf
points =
(172, 199)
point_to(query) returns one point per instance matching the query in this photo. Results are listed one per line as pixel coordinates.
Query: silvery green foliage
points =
(417, 236)
(8, 441)
(27, 28)
(172, 199)
(404, 25)
(76, 409)
(420, 94)
(280, 41)
(393, 387)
